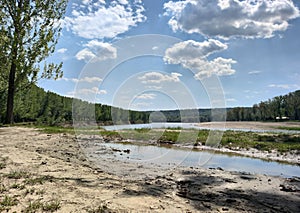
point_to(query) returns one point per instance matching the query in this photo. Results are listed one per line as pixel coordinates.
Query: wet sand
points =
(53, 167)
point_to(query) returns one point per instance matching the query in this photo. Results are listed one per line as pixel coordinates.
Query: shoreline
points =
(249, 125)
(275, 156)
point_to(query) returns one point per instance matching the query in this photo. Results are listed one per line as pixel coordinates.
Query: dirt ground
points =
(49, 172)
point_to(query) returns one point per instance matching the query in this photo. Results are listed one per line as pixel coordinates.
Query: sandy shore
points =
(51, 170)
(253, 125)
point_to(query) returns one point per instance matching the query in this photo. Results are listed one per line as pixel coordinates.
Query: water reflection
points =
(164, 156)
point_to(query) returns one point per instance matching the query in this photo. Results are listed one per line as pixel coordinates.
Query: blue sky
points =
(153, 54)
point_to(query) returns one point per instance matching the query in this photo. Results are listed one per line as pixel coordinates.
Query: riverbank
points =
(251, 125)
(266, 144)
(49, 172)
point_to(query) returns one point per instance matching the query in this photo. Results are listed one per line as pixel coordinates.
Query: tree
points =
(29, 32)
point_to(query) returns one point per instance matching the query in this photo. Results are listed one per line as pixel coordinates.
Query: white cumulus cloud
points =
(146, 96)
(62, 50)
(189, 50)
(231, 18)
(85, 55)
(84, 79)
(93, 90)
(193, 55)
(157, 77)
(99, 20)
(284, 86)
(254, 72)
(96, 50)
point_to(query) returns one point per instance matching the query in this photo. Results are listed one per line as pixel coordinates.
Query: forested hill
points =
(280, 107)
(37, 105)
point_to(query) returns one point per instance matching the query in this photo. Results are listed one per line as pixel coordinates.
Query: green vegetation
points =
(100, 209)
(28, 36)
(17, 186)
(277, 108)
(56, 129)
(50, 206)
(2, 188)
(33, 206)
(37, 180)
(289, 128)
(17, 174)
(35, 106)
(20, 184)
(2, 163)
(239, 139)
(7, 202)
(265, 142)
(230, 139)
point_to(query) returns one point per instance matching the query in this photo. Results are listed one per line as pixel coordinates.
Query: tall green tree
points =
(29, 32)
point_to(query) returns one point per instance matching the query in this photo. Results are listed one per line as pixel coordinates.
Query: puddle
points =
(172, 157)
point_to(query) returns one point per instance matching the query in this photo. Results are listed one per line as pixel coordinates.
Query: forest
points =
(284, 107)
(36, 105)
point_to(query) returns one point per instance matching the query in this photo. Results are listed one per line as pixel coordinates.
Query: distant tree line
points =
(36, 105)
(278, 108)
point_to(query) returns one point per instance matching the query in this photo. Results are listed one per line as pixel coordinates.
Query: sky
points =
(153, 54)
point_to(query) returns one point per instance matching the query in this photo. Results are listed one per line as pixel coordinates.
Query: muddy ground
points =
(49, 172)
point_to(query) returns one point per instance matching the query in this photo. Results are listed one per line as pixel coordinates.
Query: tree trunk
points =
(11, 94)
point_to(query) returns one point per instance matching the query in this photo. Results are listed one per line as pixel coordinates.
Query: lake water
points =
(172, 156)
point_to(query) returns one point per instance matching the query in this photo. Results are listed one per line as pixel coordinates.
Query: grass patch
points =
(29, 191)
(56, 129)
(175, 128)
(291, 128)
(17, 174)
(38, 205)
(169, 136)
(38, 180)
(109, 133)
(263, 142)
(7, 202)
(2, 188)
(33, 207)
(142, 130)
(40, 192)
(100, 209)
(2, 165)
(3, 162)
(51, 206)
(71, 130)
(17, 186)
